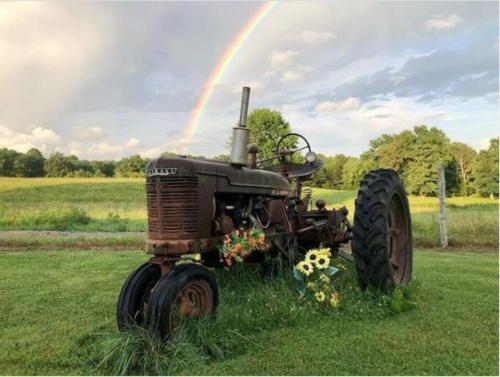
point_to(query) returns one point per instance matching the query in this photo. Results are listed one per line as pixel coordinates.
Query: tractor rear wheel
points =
(134, 297)
(382, 234)
(186, 291)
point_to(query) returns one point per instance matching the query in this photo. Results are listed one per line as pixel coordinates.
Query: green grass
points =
(23, 241)
(58, 317)
(118, 205)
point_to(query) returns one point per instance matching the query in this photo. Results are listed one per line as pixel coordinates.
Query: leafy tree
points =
(429, 150)
(354, 170)
(29, 164)
(103, 168)
(81, 168)
(319, 178)
(485, 170)
(267, 127)
(58, 165)
(132, 166)
(7, 159)
(464, 158)
(416, 156)
(334, 167)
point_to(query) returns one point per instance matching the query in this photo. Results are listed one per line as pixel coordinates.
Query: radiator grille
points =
(173, 206)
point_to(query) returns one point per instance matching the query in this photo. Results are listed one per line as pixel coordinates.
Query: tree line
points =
(415, 154)
(34, 164)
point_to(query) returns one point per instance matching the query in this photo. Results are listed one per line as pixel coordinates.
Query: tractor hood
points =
(227, 178)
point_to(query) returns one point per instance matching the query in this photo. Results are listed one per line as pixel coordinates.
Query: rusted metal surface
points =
(182, 246)
(165, 263)
(193, 301)
(398, 238)
(173, 206)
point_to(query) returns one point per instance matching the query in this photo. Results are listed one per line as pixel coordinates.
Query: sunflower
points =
(324, 252)
(304, 267)
(312, 285)
(312, 256)
(325, 279)
(322, 262)
(334, 299)
(320, 296)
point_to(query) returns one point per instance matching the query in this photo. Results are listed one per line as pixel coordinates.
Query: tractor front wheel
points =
(134, 297)
(382, 235)
(186, 291)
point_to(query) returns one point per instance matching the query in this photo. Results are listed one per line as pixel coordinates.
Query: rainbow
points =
(221, 67)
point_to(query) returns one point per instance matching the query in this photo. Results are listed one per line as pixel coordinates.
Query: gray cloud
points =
(136, 70)
(467, 72)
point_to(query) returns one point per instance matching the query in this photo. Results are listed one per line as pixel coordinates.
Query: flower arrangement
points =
(314, 278)
(240, 243)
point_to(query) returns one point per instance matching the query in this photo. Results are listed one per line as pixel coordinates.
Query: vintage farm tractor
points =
(194, 204)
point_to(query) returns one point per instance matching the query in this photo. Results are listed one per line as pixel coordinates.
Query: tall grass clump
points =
(251, 304)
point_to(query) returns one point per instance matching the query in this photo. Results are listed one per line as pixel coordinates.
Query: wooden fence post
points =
(443, 229)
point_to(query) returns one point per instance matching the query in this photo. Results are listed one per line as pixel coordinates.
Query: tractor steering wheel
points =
(282, 152)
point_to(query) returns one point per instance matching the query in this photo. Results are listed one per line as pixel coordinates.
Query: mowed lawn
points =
(57, 308)
(118, 204)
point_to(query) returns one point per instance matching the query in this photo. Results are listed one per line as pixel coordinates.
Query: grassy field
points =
(59, 319)
(118, 205)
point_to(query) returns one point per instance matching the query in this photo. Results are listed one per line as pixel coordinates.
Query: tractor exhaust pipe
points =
(241, 134)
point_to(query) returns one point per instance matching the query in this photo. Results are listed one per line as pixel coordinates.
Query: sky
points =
(108, 80)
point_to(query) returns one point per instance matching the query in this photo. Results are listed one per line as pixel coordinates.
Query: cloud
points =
(38, 137)
(313, 37)
(485, 143)
(282, 59)
(133, 143)
(151, 153)
(290, 75)
(449, 73)
(438, 22)
(349, 104)
(89, 133)
(132, 68)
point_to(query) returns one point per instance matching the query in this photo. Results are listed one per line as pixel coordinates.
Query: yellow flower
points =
(304, 267)
(311, 285)
(325, 279)
(312, 256)
(324, 252)
(334, 299)
(322, 262)
(320, 296)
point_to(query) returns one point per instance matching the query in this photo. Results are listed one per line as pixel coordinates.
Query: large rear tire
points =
(132, 306)
(188, 290)
(382, 234)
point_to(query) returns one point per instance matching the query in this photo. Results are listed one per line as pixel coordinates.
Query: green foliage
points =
(486, 170)
(7, 160)
(133, 166)
(400, 300)
(464, 158)
(267, 127)
(416, 156)
(331, 173)
(58, 165)
(29, 164)
(354, 170)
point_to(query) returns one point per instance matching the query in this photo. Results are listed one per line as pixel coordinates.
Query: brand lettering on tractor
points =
(160, 171)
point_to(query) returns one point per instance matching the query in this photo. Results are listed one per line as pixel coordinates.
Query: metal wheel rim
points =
(398, 237)
(193, 301)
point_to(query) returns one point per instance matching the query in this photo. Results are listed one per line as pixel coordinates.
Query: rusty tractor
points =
(194, 204)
